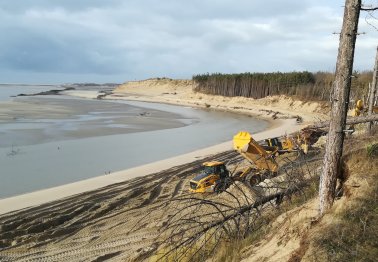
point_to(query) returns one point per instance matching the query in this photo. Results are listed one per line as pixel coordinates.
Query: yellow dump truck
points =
(216, 178)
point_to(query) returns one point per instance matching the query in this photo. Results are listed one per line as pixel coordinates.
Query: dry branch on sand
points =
(204, 222)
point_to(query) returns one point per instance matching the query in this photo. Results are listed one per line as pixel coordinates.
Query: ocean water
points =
(28, 167)
(8, 91)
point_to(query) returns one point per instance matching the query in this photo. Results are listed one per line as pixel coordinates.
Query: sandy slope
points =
(122, 215)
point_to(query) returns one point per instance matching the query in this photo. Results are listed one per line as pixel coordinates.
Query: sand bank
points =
(54, 119)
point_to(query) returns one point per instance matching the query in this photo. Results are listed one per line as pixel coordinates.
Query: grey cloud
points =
(70, 5)
(146, 38)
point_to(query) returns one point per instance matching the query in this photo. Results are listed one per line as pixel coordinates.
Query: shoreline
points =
(159, 100)
(44, 196)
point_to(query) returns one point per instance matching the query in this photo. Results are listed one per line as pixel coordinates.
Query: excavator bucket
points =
(262, 157)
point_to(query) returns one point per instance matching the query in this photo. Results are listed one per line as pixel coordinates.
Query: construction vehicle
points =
(215, 176)
(360, 109)
(206, 181)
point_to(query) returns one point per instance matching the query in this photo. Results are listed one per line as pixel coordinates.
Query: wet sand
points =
(52, 141)
(35, 120)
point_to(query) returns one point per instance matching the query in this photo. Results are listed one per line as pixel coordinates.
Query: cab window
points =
(209, 169)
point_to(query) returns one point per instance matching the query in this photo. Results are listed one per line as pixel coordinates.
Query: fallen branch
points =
(349, 121)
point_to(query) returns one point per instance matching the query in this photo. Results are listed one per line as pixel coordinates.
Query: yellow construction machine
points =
(360, 109)
(212, 173)
(216, 178)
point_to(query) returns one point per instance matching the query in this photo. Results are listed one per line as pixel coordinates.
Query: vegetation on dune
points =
(372, 150)
(353, 233)
(305, 85)
(355, 236)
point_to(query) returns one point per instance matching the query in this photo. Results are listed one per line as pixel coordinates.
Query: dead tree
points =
(373, 91)
(201, 223)
(340, 100)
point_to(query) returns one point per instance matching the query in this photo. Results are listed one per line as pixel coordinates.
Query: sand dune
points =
(181, 92)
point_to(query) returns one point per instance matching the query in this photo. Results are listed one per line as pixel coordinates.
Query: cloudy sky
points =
(60, 41)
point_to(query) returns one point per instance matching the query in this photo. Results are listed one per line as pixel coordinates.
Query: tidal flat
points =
(47, 141)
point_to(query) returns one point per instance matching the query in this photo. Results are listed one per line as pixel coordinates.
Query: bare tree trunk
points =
(340, 100)
(367, 95)
(373, 91)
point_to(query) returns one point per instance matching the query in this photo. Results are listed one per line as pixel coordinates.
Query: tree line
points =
(304, 85)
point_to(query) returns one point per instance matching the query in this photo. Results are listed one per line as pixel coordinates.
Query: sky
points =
(102, 41)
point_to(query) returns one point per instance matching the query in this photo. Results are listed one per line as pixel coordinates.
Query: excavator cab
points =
(206, 181)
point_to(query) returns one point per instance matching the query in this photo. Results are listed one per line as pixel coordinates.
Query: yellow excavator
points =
(216, 178)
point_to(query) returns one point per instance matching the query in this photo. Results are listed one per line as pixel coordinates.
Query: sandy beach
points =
(106, 216)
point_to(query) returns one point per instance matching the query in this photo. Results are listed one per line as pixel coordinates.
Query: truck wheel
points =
(252, 179)
(218, 188)
(222, 185)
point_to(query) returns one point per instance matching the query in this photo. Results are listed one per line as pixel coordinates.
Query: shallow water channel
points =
(46, 150)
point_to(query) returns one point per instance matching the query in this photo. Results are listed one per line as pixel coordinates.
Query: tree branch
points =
(349, 121)
(369, 9)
